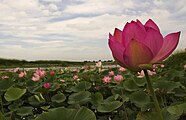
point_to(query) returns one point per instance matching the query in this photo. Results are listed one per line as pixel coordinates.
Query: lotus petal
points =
(154, 40)
(169, 44)
(137, 53)
(131, 31)
(151, 24)
(117, 49)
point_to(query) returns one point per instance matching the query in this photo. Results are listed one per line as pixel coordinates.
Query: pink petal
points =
(154, 40)
(133, 30)
(117, 50)
(152, 24)
(137, 53)
(169, 45)
(118, 35)
(140, 24)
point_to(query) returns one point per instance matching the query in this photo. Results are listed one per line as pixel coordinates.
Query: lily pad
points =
(109, 106)
(79, 98)
(139, 98)
(82, 86)
(130, 85)
(59, 98)
(23, 111)
(14, 93)
(68, 114)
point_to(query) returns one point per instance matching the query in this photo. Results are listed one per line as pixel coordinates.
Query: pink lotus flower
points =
(99, 64)
(35, 78)
(75, 70)
(141, 44)
(142, 74)
(52, 73)
(118, 78)
(162, 65)
(75, 77)
(110, 67)
(107, 79)
(4, 77)
(16, 69)
(46, 85)
(184, 66)
(38, 74)
(22, 74)
(111, 73)
(122, 69)
(63, 81)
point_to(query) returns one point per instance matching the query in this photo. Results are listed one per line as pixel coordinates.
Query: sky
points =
(78, 30)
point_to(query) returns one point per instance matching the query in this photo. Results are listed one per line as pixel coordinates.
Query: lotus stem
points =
(157, 107)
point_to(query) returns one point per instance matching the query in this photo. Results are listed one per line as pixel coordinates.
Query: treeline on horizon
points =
(178, 57)
(45, 63)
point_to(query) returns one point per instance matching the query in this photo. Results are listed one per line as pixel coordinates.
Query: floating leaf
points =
(147, 116)
(130, 85)
(68, 114)
(23, 111)
(5, 84)
(140, 81)
(139, 98)
(59, 98)
(85, 114)
(81, 86)
(167, 85)
(80, 97)
(109, 106)
(96, 98)
(14, 93)
(177, 110)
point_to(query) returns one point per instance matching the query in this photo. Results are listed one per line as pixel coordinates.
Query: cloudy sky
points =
(78, 29)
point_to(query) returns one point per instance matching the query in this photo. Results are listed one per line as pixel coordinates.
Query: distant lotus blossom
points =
(52, 73)
(62, 71)
(75, 70)
(38, 74)
(107, 79)
(118, 78)
(46, 85)
(16, 69)
(155, 66)
(162, 65)
(22, 74)
(75, 77)
(110, 67)
(35, 78)
(184, 66)
(111, 73)
(67, 69)
(99, 64)
(142, 74)
(63, 81)
(4, 77)
(122, 69)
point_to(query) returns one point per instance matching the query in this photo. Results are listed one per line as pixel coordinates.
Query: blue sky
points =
(78, 29)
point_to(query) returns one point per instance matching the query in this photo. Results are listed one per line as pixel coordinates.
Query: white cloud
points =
(99, 7)
(52, 29)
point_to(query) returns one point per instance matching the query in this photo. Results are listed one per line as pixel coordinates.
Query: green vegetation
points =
(9, 63)
(93, 94)
(178, 58)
